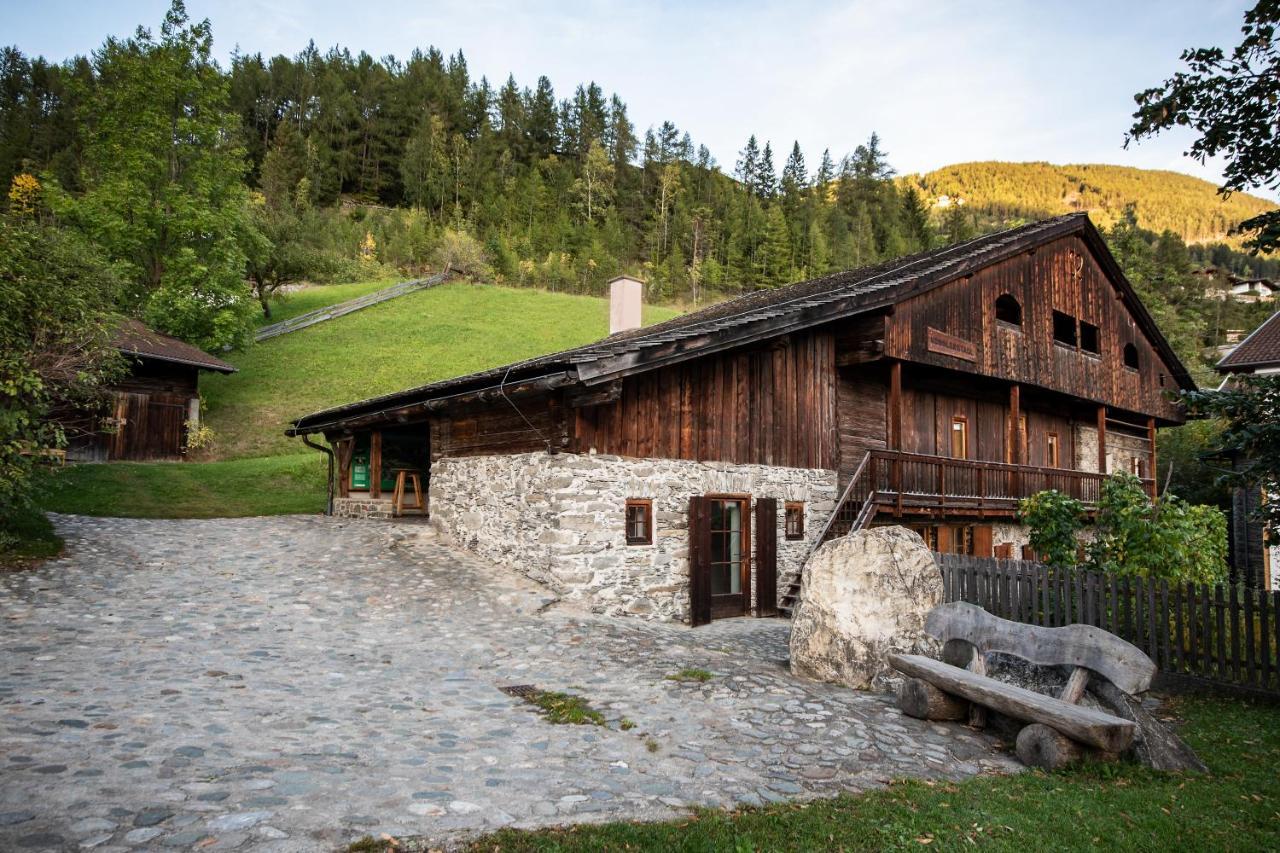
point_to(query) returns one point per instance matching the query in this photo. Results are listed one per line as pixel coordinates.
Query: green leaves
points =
(1130, 534)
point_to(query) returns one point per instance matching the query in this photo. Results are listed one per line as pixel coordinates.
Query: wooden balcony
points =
(916, 484)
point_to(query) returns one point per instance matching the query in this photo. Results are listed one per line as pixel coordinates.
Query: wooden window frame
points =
(962, 420)
(787, 509)
(638, 503)
(1053, 450)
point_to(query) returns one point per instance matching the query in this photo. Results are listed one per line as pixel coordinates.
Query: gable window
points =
(1131, 356)
(1064, 329)
(960, 437)
(1008, 310)
(1051, 450)
(794, 520)
(1090, 340)
(639, 521)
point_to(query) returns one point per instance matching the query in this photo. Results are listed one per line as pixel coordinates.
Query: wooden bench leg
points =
(920, 699)
(1043, 747)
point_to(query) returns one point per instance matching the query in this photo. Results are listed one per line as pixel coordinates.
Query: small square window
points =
(794, 520)
(1090, 341)
(639, 521)
(1064, 329)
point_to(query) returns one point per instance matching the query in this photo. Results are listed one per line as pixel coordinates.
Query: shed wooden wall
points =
(1063, 276)
(498, 429)
(928, 413)
(771, 406)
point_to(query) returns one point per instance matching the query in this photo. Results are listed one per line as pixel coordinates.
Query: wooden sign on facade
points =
(944, 344)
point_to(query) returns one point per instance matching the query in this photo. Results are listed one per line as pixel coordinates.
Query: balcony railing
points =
(908, 480)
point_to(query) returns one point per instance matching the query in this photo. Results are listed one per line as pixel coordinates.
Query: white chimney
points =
(625, 295)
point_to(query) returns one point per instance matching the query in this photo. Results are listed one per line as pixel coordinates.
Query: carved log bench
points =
(958, 687)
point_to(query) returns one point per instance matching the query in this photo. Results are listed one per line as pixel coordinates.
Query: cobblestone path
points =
(294, 683)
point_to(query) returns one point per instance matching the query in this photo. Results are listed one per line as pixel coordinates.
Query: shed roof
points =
(1260, 350)
(768, 313)
(133, 338)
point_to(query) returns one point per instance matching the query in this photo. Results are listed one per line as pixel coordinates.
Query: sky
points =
(941, 81)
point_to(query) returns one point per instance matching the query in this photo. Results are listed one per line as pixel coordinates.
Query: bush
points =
(463, 254)
(1055, 520)
(1133, 535)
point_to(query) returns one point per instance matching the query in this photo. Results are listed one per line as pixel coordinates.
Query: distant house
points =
(1253, 560)
(151, 406)
(686, 470)
(1244, 290)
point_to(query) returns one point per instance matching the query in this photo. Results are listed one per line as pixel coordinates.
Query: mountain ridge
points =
(1005, 192)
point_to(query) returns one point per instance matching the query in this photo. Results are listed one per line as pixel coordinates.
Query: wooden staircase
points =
(856, 507)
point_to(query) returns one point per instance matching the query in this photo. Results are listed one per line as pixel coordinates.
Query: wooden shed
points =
(151, 406)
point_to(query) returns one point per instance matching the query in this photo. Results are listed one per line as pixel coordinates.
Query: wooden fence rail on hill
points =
(1226, 634)
(329, 312)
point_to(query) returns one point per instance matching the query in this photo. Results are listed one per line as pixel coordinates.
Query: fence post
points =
(1249, 630)
(1233, 605)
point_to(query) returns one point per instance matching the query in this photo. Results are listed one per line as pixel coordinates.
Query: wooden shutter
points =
(1004, 551)
(767, 556)
(982, 540)
(699, 560)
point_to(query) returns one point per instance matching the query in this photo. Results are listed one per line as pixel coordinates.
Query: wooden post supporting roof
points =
(1151, 457)
(1102, 439)
(375, 464)
(1015, 425)
(895, 406)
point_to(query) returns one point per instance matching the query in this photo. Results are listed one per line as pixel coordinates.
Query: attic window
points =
(1064, 329)
(1008, 310)
(1089, 338)
(1131, 356)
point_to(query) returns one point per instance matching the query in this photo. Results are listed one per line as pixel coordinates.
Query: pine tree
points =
(766, 178)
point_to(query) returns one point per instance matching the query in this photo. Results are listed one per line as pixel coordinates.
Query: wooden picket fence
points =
(1225, 634)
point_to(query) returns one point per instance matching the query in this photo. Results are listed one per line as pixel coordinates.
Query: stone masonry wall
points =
(559, 518)
(362, 506)
(1121, 448)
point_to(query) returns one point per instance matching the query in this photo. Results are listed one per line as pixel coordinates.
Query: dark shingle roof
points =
(133, 338)
(727, 323)
(1260, 349)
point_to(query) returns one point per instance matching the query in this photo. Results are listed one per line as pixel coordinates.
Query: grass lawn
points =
(315, 296)
(434, 334)
(1116, 807)
(237, 487)
(27, 536)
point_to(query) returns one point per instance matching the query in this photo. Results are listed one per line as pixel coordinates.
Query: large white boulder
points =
(862, 597)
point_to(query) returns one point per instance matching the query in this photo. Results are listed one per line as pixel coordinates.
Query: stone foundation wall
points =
(559, 518)
(362, 506)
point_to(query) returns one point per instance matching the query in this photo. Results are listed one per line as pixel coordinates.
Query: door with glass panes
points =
(720, 556)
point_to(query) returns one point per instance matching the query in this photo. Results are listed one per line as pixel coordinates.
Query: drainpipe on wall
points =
(328, 506)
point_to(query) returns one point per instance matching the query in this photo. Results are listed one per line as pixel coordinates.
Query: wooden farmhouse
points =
(685, 471)
(152, 405)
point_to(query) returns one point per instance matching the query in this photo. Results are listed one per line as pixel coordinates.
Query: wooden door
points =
(767, 556)
(699, 554)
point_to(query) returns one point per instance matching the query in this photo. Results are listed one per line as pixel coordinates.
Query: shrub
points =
(1055, 520)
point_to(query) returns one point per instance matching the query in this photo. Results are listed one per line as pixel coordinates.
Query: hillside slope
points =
(434, 334)
(1004, 192)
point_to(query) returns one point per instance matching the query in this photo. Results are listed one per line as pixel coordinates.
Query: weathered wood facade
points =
(151, 405)
(940, 389)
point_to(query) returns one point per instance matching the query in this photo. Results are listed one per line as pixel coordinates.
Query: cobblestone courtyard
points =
(293, 683)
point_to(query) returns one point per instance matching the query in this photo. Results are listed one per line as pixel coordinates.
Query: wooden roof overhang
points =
(749, 319)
